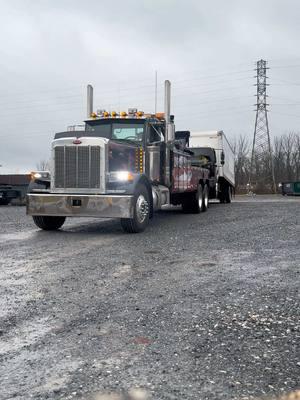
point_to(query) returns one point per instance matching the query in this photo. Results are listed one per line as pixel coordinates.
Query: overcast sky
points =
(51, 49)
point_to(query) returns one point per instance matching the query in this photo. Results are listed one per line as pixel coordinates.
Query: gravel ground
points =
(197, 307)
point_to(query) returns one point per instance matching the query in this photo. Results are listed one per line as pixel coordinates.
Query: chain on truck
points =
(124, 165)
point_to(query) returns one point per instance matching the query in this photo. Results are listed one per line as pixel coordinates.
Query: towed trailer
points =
(213, 151)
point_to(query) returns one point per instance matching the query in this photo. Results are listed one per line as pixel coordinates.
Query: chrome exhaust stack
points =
(167, 101)
(170, 132)
(89, 100)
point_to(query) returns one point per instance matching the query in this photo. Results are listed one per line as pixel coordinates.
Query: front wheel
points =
(141, 212)
(48, 223)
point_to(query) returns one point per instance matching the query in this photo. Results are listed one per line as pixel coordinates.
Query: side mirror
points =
(222, 158)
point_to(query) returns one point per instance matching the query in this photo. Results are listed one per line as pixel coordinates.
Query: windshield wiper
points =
(128, 141)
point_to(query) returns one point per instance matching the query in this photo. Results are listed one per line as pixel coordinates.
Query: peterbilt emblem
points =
(77, 141)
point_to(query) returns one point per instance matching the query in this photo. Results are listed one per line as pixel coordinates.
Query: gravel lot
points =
(197, 307)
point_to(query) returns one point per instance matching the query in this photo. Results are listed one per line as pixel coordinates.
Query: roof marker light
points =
(160, 115)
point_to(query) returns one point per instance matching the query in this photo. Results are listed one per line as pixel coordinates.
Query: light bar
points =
(132, 113)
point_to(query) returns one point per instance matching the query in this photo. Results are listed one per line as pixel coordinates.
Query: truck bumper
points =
(101, 206)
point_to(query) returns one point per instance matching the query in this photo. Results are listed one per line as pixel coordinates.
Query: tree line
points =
(285, 158)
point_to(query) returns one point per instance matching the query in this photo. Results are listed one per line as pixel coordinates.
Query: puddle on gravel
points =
(26, 334)
(7, 237)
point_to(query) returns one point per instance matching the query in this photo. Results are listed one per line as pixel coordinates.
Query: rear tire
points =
(141, 212)
(48, 223)
(194, 203)
(205, 202)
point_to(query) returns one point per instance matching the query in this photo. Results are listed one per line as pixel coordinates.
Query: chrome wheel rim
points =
(142, 208)
(200, 198)
(206, 199)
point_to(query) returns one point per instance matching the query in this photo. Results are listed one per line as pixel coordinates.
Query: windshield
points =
(116, 130)
(127, 132)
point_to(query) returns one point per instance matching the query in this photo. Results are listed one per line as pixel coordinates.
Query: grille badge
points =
(77, 141)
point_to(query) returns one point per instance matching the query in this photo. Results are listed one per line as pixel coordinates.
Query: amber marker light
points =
(160, 115)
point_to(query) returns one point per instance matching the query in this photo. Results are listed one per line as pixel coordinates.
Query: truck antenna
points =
(155, 99)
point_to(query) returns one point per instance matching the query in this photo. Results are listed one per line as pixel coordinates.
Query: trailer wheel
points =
(194, 203)
(205, 202)
(48, 223)
(222, 198)
(222, 193)
(228, 194)
(141, 212)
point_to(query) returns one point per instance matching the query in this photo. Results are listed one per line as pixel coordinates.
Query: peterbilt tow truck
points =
(124, 165)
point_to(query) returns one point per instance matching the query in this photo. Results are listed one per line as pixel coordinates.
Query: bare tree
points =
(286, 160)
(287, 157)
(242, 162)
(43, 165)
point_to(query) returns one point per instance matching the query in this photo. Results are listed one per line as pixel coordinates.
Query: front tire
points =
(48, 223)
(141, 212)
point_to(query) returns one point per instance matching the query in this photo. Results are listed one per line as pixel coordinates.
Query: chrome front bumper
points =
(101, 206)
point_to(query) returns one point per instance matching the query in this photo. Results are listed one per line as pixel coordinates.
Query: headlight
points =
(121, 176)
(40, 175)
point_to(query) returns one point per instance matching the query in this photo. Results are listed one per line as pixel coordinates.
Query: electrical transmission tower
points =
(261, 171)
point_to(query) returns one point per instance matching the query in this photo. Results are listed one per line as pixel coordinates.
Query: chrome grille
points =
(77, 166)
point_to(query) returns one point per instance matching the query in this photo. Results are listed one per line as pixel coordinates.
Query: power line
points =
(106, 101)
(129, 82)
(287, 115)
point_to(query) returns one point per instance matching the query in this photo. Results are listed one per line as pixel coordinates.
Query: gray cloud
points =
(50, 50)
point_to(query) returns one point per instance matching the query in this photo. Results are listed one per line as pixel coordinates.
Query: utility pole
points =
(261, 170)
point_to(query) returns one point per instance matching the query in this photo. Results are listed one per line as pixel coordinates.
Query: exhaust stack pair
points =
(169, 129)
